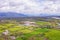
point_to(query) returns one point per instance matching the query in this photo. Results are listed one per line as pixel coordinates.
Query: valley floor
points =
(29, 30)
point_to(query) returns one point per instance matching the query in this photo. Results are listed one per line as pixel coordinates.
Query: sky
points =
(30, 6)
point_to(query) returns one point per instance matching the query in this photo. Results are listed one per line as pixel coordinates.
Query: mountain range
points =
(11, 14)
(14, 14)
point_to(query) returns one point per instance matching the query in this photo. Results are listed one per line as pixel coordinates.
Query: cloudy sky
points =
(30, 6)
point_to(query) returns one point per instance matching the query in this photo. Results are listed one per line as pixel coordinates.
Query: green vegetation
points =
(44, 31)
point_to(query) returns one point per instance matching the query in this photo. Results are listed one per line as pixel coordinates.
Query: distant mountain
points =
(14, 14)
(11, 14)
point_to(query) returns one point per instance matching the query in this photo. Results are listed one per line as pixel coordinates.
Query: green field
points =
(21, 32)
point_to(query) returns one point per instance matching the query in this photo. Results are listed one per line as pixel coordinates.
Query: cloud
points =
(30, 6)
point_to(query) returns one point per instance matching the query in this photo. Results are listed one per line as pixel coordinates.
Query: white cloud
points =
(30, 6)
